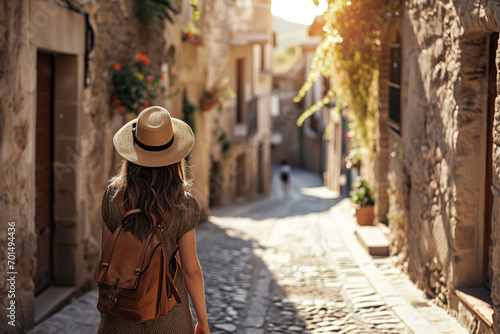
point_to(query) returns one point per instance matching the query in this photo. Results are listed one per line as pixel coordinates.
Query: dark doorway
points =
(43, 170)
(217, 182)
(240, 176)
(488, 197)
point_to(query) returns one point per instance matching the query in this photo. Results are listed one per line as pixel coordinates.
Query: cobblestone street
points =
(291, 264)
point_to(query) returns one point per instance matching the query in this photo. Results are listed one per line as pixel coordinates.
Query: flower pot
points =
(196, 40)
(365, 215)
(208, 104)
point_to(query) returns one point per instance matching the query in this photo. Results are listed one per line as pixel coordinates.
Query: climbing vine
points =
(349, 55)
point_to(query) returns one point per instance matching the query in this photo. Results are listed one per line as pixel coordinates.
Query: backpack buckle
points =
(114, 292)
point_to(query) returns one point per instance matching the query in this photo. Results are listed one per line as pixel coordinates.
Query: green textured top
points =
(179, 319)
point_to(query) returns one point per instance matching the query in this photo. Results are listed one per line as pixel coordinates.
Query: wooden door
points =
(488, 197)
(43, 171)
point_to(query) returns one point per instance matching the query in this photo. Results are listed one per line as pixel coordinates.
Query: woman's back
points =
(180, 221)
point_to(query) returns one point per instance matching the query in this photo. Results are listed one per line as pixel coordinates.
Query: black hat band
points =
(147, 147)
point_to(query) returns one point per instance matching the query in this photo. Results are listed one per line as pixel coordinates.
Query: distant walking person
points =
(285, 175)
(151, 188)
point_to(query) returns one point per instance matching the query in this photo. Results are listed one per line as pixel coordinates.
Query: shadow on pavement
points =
(239, 287)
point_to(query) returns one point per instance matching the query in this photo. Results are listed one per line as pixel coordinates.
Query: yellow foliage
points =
(349, 54)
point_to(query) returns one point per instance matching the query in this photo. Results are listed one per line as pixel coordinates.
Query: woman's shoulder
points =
(110, 188)
(191, 202)
(109, 192)
(192, 208)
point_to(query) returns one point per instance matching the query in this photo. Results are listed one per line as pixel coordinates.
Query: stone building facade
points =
(438, 153)
(57, 124)
(308, 146)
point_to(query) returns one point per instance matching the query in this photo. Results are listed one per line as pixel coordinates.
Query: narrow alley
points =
(291, 264)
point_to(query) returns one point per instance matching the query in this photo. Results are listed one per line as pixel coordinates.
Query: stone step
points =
(373, 240)
(384, 228)
(52, 299)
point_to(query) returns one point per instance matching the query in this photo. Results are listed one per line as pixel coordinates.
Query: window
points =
(240, 91)
(263, 57)
(395, 86)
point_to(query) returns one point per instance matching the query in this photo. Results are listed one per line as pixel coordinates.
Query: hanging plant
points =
(226, 146)
(350, 54)
(222, 139)
(220, 94)
(192, 34)
(155, 11)
(188, 110)
(134, 85)
(196, 10)
(353, 158)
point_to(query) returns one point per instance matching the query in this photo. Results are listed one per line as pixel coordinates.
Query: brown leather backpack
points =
(134, 277)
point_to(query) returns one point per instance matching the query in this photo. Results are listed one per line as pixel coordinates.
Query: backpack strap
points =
(109, 244)
(124, 213)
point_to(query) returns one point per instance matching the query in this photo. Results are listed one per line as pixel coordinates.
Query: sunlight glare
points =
(319, 192)
(299, 11)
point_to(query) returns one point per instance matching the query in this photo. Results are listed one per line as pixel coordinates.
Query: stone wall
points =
(17, 163)
(437, 183)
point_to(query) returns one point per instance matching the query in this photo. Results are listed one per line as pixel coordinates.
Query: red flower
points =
(349, 144)
(211, 91)
(162, 76)
(116, 66)
(146, 103)
(348, 135)
(190, 34)
(149, 80)
(141, 57)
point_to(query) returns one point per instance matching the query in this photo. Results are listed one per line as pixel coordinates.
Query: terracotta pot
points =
(196, 40)
(208, 104)
(365, 215)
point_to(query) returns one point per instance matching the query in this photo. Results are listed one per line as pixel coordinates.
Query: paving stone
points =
(313, 283)
(230, 328)
(295, 329)
(368, 304)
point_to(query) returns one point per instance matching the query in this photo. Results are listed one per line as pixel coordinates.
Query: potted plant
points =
(135, 86)
(220, 94)
(362, 196)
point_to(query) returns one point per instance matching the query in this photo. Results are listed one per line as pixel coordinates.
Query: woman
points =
(152, 179)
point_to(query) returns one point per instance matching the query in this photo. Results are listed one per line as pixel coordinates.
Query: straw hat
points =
(154, 139)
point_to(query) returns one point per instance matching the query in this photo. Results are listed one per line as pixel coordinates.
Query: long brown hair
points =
(154, 190)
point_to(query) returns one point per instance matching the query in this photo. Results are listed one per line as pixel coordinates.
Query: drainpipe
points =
(89, 36)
